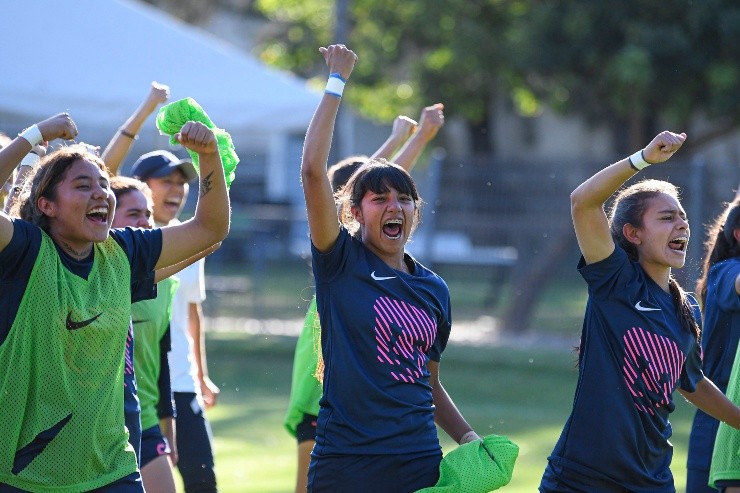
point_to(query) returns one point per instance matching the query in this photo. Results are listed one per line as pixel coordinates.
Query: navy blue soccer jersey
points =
(719, 341)
(634, 354)
(379, 327)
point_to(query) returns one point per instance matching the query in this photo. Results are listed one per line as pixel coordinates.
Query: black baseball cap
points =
(157, 164)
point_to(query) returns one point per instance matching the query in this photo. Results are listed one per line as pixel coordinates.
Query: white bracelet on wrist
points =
(637, 161)
(469, 437)
(335, 85)
(32, 134)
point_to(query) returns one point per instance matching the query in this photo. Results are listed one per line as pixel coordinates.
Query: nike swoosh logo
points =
(381, 278)
(72, 325)
(641, 308)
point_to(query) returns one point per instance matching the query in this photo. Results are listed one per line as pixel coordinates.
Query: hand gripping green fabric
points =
(480, 466)
(173, 116)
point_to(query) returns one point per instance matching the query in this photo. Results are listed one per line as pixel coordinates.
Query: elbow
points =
(577, 200)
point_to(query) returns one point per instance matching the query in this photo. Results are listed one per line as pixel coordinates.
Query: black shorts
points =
(373, 473)
(306, 429)
(153, 445)
(726, 483)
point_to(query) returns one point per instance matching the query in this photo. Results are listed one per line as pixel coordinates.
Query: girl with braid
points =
(640, 340)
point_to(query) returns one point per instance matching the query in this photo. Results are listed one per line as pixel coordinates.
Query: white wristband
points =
(335, 85)
(637, 161)
(469, 437)
(32, 134)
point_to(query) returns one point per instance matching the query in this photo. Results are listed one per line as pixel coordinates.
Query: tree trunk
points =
(532, 282)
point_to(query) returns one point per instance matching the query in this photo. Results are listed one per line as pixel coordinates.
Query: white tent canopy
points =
(96, 59)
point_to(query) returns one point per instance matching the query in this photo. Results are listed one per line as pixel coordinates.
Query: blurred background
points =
(538, 95)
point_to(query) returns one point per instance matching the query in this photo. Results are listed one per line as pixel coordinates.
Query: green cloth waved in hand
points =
(480, 466)
(173, 116)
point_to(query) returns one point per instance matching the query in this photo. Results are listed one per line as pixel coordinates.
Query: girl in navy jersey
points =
(68, 283)
(385, 321)
(718, 289)
(640, 338)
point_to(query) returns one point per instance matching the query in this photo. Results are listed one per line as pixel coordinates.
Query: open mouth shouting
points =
(98, 214)
(679, 244)
(393, 228)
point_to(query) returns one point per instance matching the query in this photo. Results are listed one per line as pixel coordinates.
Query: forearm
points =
(447, 416)
(318, 139)
(595, 191)
(386, 150)
(212, 212)
(195, 328)
(712, 401)
(407, 156)
(11, 155)
(120, 143)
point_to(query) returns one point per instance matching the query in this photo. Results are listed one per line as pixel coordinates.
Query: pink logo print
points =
(652, 366)
(404, 334)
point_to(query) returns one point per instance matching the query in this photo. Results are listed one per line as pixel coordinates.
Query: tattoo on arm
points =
(206, 184)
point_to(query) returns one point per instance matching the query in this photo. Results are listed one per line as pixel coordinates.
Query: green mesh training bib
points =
(726, 456)
(61, 389)
(151, 318)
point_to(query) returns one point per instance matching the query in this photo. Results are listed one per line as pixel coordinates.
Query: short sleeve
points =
(142, 247)
(722, 278)
(691, 373)
(608, 275)
(328, 264)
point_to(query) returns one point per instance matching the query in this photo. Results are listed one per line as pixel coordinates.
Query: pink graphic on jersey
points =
(652, 366)
(129, 369)
(404, 334)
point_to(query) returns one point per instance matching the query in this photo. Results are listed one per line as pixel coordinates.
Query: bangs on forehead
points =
(379, 179)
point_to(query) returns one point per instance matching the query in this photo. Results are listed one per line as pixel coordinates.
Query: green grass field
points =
(524, 394)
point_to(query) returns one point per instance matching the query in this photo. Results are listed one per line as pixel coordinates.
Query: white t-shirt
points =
(192, 289)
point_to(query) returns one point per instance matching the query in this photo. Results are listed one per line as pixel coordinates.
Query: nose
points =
(683, 223)
(394, 203)
(142, 222)
(99, 191)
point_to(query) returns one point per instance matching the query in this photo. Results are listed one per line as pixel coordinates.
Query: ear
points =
(46, 206)
(357, 214)
(736, 234)
(632, 234)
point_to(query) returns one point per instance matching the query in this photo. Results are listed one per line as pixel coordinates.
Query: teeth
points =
(394, 221)
(99, 210)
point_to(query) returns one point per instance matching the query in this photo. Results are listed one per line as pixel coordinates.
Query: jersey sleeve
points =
(444, 328)
(608, 275)
(329, 264)
(691, 373)
(723, 284)
(142, 247)
(18, 257)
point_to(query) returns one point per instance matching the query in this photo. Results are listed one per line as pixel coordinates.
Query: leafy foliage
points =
(630, 61)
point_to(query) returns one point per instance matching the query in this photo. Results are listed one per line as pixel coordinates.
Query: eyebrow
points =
(672, 211)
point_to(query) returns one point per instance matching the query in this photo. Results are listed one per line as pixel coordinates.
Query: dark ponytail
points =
(683, 306)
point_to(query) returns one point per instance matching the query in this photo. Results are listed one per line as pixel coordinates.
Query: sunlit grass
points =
(522, 393)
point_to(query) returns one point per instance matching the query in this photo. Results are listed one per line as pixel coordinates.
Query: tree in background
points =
(637, 65)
